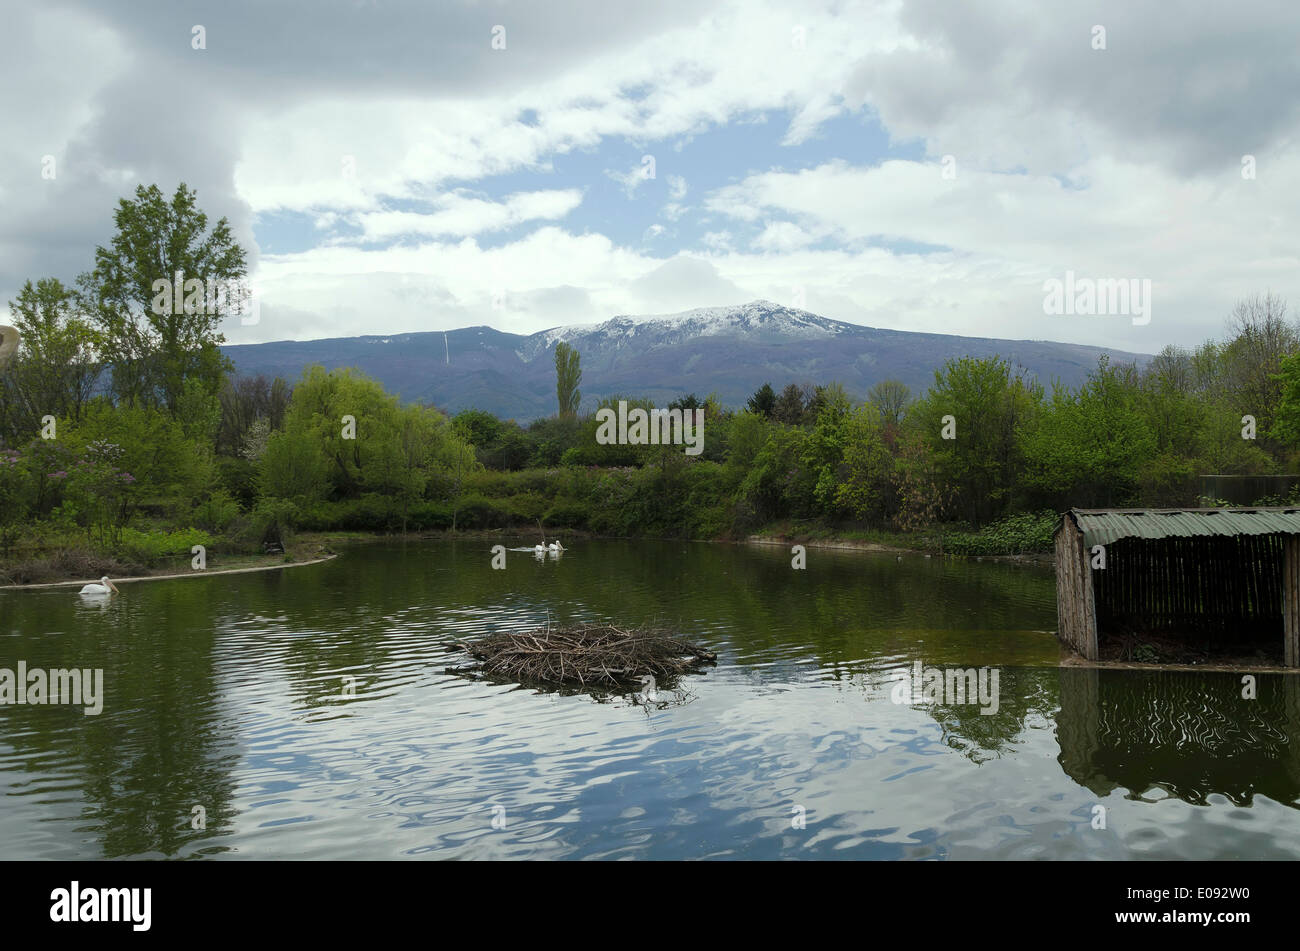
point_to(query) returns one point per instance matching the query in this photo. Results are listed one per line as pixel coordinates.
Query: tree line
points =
(123, 428)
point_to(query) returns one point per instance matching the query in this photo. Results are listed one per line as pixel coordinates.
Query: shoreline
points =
(1042, 559)
(172, 577)
(328, 539)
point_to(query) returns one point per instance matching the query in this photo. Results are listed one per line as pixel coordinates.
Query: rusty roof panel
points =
(1103, 526)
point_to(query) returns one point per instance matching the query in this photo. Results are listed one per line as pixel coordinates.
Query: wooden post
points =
(1291, 601)
(1064, 584)
(1088, 635)
(1076, 614)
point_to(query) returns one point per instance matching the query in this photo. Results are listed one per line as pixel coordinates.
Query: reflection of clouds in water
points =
(797, 713)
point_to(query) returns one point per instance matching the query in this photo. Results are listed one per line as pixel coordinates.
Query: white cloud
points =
(1152, 129)
(461, 215)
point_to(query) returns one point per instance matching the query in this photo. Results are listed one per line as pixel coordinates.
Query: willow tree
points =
(567, 377)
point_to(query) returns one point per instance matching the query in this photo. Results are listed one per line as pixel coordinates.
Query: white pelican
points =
(555, 546)
(105, 588)
(539, 549)
(648, 693)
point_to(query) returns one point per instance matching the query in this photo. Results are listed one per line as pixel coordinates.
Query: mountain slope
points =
(732, 350)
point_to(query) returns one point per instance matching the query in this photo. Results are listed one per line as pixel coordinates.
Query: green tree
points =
(153, 348)
(568, 375)
(988, 404)
(1287, 427)
(57, 367)
(763, 402)
(1088, 447)
(789, 406)
(889, 398)
(293, 467)
(865, 489)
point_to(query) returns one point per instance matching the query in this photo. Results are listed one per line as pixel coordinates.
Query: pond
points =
(312, 713)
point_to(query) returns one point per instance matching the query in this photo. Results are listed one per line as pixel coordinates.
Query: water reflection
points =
(1192, 735)
(311, 713)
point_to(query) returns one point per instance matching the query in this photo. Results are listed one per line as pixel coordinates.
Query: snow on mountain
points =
(756, 319)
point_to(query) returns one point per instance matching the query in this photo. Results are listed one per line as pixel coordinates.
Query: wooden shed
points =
(1221, 578)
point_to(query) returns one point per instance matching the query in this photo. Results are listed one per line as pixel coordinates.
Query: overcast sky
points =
(389, 170)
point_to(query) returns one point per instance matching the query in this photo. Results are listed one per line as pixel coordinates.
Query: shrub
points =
(1014, 535)
(218, 512)
(150, 547)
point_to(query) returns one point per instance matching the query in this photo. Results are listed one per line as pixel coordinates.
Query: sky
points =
(396, 166)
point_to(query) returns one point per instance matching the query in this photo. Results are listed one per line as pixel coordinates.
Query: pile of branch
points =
(587, 656)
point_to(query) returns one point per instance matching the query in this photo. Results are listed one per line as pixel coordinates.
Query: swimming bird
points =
(105, 588)
(539, 549)
(648, 693)
(555, 546)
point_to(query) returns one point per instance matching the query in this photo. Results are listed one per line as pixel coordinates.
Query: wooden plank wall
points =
(1219, 587)
(1076, 620)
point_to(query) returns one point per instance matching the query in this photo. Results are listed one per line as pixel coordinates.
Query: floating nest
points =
(597, 656)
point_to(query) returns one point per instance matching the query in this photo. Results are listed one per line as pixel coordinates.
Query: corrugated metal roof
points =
(1103, 526)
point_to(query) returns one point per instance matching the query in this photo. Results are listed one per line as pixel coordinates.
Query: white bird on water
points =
(105, 588)
(648, 692)
(555, 546)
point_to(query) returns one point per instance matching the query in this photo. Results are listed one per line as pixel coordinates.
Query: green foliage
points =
(56, 369)
(156, 350)
(177, 442)
(151, 547)
(1087, 448)
(568, 375)
(216, 513)
(989, 404)
(763, 402)
(1014, 535)
(1286, 428)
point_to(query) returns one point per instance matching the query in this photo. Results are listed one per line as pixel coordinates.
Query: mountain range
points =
(730, 350)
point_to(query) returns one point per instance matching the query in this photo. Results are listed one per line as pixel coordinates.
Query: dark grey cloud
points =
(175, 113)
(1190, 85)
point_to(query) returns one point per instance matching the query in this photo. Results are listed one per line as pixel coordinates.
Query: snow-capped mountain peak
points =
(756, 318)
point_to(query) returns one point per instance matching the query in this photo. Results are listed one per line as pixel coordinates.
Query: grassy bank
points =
(79, 562)
(1018, 535)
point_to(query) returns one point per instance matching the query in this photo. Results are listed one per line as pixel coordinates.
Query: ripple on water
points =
(312, 715)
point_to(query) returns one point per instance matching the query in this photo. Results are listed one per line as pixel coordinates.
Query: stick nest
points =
(587, 656)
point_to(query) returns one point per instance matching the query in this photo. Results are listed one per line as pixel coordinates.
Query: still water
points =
(229, 693)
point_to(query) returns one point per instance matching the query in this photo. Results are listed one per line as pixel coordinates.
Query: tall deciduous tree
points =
(56, 369)
(789, 406)
(568, 375)
(155, 348)
(889, 399)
